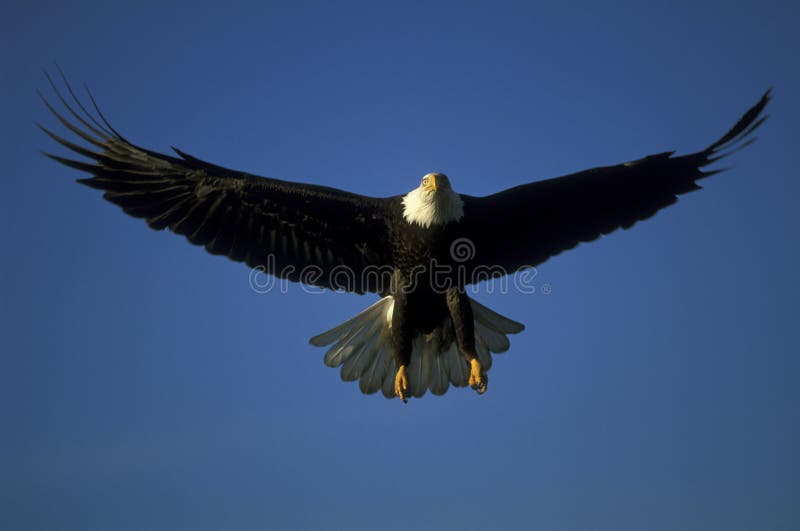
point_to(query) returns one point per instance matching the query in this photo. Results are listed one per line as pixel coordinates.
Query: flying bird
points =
(417, 251)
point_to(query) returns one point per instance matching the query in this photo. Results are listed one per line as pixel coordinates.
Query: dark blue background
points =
(146, 386)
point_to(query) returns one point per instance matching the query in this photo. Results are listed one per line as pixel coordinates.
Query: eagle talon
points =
(478, 379)
(401, 384)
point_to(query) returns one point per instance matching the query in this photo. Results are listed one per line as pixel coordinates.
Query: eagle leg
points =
(402, 335)
(401, 384)
(478, 379)
(464, 327)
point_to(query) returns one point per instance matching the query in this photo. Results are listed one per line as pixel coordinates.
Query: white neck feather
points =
(437, 208)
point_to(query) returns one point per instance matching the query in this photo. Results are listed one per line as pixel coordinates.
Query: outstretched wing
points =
(526, 225)
(318, 235)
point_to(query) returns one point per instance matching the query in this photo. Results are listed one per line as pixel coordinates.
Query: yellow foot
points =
(401, 384)
(477, 376)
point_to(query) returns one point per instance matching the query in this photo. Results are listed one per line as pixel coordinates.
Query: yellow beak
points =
(431, 186)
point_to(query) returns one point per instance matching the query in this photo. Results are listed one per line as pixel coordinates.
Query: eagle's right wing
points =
(318, 235)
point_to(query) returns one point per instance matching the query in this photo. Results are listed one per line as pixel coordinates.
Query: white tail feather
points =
(388, 381)
(484, 356)
(495, 341)
(494, 320)
(326, 338)
(457, 369)
(436, 374)
(362, 348)
(416, 377)
(361, 359)
(372, 378)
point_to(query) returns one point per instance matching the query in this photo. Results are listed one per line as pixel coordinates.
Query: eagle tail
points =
(362, 348)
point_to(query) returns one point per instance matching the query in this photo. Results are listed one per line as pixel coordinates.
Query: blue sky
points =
(146, 386)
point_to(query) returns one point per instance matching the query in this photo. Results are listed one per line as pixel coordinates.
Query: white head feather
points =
(433, 203)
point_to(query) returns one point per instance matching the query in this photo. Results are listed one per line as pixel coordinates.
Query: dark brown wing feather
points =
(301, 232)
(526, 225)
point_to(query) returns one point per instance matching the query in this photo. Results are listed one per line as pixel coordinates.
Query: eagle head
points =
(434, 202)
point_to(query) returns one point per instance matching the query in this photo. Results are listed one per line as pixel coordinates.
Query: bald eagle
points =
(417, 251)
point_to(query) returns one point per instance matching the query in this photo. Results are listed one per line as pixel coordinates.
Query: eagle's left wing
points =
(315, 234)
(526, 225)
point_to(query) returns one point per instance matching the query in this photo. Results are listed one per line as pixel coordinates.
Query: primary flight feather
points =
(417, 251)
